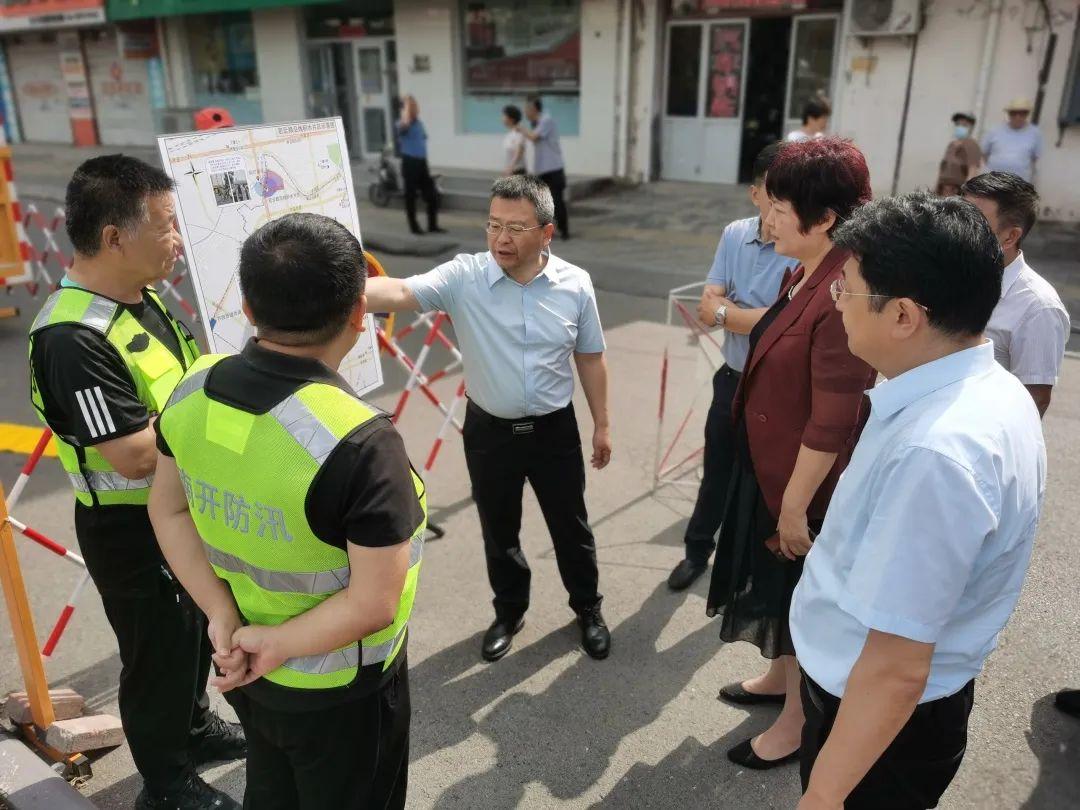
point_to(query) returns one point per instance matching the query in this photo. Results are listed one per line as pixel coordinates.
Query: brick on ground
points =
(67, 703)
(85, 733)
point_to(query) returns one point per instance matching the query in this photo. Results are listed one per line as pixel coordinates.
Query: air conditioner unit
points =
(883, 18)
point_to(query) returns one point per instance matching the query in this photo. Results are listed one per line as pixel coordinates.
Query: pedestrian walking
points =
(513, 142)
(548, 158)
(412, 143)
(929, 534)
(963, 157)
(1029, 326)
(815, 120)
(105, 354)
(797, 414)
(742, 284)
(520, 314)
(287, 507)
(1014, 146)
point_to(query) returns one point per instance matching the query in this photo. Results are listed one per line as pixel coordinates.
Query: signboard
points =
(25, 15)
(231, 181)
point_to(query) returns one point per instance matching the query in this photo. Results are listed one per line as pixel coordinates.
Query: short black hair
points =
(963, 116)
(535, 101)
(764, 161)
(815, 108)
(817, 176)
(513, 113)
(301, 275)
(937, 251)
(527, 187)
(1017, 200)
(109, 190)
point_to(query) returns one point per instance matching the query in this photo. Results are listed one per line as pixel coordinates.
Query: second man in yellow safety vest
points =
(289, 510)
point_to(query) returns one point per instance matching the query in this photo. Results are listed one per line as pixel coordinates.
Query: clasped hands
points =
(709, 303)
(242, 653)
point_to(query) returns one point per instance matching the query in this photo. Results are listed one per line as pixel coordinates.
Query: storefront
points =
(352, 70)
(126, 81)
(735, 78)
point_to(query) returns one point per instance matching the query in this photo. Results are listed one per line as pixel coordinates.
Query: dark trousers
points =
(556, 181)
(917, 766)
(719, 456)
(417, 179)
(350, 756)
(546, 451)
(164, 649)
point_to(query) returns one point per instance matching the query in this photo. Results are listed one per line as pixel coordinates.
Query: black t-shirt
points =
(89, 397)
(363, 494)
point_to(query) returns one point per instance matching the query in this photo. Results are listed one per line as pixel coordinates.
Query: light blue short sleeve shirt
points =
(547, 151)
(750, 271)
(930, 530)
(517, 340)
(1013, 150)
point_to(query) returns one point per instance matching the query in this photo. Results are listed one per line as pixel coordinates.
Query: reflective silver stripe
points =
(46, 312)
(281, 581)
(115, 482)
(305, 427)
(325, 664)
(99, 314)
(416, 547)
(189, 385)
(379, 653)
(78, 482)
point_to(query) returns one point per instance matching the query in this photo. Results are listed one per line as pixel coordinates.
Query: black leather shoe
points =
(595, 636)
(743, 754)
(1068, 701)
(416, 230)
(499, 638)
(685, 575)
(194, 794)
(734, 693)
(221, 741)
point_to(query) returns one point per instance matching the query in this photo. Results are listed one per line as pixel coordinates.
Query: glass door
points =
(812, 70)
(373, 91)
(328, 88)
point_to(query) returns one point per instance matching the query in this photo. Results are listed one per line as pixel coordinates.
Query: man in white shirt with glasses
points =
(519, 314)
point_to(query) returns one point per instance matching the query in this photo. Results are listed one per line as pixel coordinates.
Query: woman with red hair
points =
(798, 412)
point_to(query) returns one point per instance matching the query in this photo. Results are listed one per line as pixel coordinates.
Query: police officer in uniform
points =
(289, 510)
(104, 357)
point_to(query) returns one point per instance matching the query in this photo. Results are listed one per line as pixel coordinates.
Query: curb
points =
(27, 783)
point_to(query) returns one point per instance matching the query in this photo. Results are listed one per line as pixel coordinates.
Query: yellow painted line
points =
(22, 439)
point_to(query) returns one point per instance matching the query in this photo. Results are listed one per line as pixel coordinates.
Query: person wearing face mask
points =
(963, 157)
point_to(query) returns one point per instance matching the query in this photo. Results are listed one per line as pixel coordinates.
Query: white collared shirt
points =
(1029, 326)
(516, 339)
(929, 532)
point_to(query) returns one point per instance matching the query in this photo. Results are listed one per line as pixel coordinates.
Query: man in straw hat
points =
(1014, 146)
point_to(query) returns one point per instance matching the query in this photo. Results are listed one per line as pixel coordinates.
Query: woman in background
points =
(412, 143)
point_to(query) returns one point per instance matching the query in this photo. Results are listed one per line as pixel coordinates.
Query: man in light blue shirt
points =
(547, 157)
(929, 534)
(520, 314)
(1015, 146)
(742, 284)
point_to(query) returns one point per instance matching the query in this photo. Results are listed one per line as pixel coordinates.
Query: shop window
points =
(812, 62)
(513, 48)
(224, 73)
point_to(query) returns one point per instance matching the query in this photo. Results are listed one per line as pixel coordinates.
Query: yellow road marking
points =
(22, 439)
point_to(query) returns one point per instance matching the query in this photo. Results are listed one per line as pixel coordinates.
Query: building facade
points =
(641, 90)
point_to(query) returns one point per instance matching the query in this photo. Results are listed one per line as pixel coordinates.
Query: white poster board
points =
(231, 181)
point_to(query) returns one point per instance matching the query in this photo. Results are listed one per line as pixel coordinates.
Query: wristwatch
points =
(721, 315)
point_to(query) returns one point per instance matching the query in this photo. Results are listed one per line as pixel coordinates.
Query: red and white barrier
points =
(459, 398)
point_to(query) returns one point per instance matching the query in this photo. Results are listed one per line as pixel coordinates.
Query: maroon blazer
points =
(803, 386)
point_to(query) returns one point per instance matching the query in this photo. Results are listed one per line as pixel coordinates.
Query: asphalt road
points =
(548, 727)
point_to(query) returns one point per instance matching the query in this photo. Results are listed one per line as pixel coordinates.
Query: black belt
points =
(522, 426)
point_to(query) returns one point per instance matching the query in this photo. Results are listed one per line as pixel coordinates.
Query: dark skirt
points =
(751, 587)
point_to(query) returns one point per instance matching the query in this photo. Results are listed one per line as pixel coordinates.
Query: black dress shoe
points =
(595, 636)
(734, 693)
(685, 575)
(1068, 701)
(221, 741)
(743, 754)
(416, 230)
(193, 794)
(499, 638)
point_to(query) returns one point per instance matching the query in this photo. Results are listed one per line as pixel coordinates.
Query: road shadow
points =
(97, 683)
(566, 736)
(1054, 738)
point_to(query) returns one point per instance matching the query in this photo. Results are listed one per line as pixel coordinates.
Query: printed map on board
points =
(231, 181)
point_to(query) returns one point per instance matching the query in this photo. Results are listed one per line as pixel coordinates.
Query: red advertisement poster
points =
(22, 15)
(725, 70)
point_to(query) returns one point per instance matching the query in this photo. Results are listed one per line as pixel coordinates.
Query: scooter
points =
(387, 184)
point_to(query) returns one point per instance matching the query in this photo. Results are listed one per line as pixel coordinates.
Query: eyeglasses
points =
(496, 229)
(838, 288)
